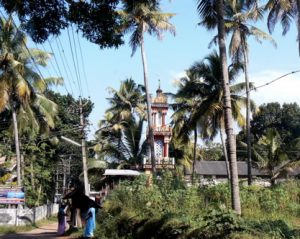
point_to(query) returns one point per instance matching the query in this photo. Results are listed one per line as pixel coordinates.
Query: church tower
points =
(161, 131)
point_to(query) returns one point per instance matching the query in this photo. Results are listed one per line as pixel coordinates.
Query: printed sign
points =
(12, 195)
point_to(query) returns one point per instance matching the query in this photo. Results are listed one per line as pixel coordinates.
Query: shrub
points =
(275, 229)
(218, 224)
(169, 210)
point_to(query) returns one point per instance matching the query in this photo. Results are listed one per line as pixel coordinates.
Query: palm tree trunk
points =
(235, 192)
(149, 114)
(298, 24)
(16, 134)
(249, 159)
(195, 154)
(225, 151)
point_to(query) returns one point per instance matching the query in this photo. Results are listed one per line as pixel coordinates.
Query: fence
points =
(25, 216)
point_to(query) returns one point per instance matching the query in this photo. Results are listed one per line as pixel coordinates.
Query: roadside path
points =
(45, 231)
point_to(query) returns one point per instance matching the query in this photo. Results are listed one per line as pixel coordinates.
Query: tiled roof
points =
(218, 168)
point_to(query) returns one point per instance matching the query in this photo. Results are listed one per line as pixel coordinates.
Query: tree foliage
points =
(120, 135)
(97, 20)
(285, 118)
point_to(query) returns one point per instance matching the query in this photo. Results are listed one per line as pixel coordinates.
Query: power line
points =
(272, 81)
(47, 69)
(64, 67)
(83, 65)
(76, 57)
(73, 58)
(55, 59)
(66, 61)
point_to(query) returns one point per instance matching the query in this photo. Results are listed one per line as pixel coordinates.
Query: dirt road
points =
(45, 231)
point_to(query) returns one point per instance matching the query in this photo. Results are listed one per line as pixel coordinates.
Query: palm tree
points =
(271, 156)
(184, 108)
(120, 133)
(285, 11)
(140, 17)
(212, 15)
(238, 14)
(128, 100)
(203, 84)
(20, 86)
(123, 146)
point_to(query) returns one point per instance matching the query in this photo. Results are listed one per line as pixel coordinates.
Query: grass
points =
(74, 233)
(14, 229)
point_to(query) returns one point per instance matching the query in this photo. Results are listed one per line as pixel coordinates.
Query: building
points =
(162, 133)
(214, 172)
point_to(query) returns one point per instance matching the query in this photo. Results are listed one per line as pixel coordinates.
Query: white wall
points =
(26, 216)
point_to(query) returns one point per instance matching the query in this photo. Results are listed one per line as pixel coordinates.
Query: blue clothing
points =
(62, 221)
(90, 223)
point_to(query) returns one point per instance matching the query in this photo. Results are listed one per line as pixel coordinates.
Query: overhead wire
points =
(272, 81)
(74, 64)
(31, 56)
(41, 75)
(66, 61)
(47, 68)
(57, 65)
(64, 65)
(83, 66)
(76, 57)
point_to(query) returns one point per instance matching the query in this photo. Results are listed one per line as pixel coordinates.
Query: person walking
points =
(62, 220)
(90, 225)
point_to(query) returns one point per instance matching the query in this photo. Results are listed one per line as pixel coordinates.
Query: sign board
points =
(12, 195)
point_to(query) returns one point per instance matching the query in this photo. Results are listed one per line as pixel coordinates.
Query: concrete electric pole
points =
(83, 147)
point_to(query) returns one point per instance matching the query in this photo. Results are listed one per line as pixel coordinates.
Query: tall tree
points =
(67, 124)
(128, 100)
(20, 86)
(238, 15)
(140, 17)
(120, 133)
(212, 15)
(203, 85)
(181, 119)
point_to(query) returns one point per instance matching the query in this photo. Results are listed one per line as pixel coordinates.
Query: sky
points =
(168, 59)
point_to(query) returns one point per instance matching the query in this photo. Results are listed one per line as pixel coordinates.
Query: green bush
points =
(218, 224)
(167, 209)
(274, 229)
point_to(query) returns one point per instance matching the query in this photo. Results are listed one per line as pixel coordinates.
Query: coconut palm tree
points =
(21, 87)
(128, 100)
(123, 146)
(140, 17)
(120, 133)
(284, 11)
(182, 127)
(271, 155)
(212, 15)
(203, 84)
(238, 14)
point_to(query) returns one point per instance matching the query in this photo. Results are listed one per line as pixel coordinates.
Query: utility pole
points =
(83, 147)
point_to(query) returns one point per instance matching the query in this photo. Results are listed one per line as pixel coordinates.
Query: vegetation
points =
(142, 17)
(136, 211)
(13, 229)
(207, 102)
(120, 134)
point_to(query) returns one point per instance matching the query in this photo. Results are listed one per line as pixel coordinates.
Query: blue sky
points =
(169, 58)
